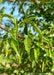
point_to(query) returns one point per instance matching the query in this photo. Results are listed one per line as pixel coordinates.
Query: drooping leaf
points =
(13, 44)
(1, 2)
(7, 15)
(37, 29)
(7, 48)
(25, 29)
(14, 30)
(26, 20)
(36, 54)
(33, 64)
(53, 68)
(2, 10)
(32, 54)
(27, 43)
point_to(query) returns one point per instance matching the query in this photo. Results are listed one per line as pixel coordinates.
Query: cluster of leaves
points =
(35, 52)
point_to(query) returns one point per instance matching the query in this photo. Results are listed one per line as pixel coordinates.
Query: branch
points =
(19, 36)
(2, 28)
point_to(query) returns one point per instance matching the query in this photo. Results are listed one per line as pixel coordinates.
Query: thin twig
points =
(19, 36)
(2, 28)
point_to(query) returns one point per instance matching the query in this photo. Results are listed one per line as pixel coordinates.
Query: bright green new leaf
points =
(7, 48)
(33, 64)
(53, 68)
(13, 44)
(37, 29)
(1, 2)
(27, 43)
(26, 20)
(36, 53)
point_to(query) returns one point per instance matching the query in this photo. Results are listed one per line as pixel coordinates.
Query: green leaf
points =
(26, 20)
(5, 60)
(25, 29)
(13, 44)
(53, 68)
(5, 37)
(14, 30)
(2, 10)
(33, 64)
(1, 2)
(1, 46)
(32, 54)
(9, 16)
(36, 54)
(7, 48)
(43, 67)
(27, 43)
(37, 29)
(47, 41)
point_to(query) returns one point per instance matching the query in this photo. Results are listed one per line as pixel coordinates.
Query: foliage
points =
(34, 53)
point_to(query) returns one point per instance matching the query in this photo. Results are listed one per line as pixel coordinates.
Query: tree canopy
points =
(27, 43)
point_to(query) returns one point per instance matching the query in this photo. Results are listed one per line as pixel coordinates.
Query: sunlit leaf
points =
(13, 44)
(27, 43)
(1, 2)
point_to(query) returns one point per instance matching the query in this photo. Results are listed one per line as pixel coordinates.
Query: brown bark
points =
(2, 28)
(19, 36)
